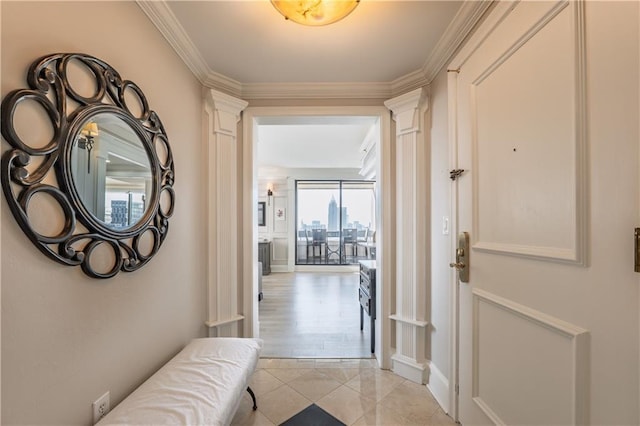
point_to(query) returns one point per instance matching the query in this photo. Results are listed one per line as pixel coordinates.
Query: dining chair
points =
(319, 240)
(349, 238)
(362, 240)
(309, 243)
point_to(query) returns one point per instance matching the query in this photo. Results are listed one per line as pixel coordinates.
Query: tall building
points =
(345, 216)
(119, 213)
(333, 215)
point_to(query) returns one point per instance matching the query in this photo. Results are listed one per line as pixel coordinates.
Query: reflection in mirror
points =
(112, 171)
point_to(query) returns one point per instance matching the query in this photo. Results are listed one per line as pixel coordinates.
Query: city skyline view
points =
(318, 205)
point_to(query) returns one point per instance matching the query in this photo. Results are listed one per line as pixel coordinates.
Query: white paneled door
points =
(528, 200)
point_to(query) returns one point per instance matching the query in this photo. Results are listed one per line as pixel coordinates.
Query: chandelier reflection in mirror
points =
(315, 12)
(107, 168)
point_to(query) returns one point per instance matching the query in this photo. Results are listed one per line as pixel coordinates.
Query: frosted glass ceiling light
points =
(315, 12)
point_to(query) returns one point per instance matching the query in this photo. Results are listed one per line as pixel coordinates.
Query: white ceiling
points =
(249, 41)
(247, 49)
(312, 142)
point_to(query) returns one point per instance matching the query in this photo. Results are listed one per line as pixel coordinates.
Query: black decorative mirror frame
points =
(70, 113)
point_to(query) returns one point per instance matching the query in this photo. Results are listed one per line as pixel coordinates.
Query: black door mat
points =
(313, 416)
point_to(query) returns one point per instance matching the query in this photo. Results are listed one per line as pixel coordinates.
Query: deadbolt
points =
(462, 257)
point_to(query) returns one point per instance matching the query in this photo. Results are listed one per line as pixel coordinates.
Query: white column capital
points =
(406, 110)
(226, 110)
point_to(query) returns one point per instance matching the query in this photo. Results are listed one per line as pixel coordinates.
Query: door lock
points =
(458, 265)
(462, 257)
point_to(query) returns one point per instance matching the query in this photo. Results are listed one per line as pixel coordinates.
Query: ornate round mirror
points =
(106, 163)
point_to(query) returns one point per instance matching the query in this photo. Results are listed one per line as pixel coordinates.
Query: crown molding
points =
(223, 83)
(463, 23)
(355, 90)
(164, 19)
(408, 82)
(460, 27)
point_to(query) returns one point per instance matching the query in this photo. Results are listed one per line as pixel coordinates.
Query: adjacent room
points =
(316, 190)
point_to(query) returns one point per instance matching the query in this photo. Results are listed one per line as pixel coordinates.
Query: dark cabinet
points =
(367, 296)
(264, 256)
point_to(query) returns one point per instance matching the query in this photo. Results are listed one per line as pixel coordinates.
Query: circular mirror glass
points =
(112, 171)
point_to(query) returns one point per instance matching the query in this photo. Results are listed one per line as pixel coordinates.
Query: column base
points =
(409, 368)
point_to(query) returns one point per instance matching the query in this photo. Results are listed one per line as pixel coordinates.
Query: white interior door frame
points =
(384, 228)
(454, 305)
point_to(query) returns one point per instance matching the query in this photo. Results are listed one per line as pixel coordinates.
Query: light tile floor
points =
(353, 390)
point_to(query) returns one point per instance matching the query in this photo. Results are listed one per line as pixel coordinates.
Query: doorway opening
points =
(276, 187)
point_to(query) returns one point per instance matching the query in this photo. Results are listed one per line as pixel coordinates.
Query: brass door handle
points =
(461, 263)
(458, 266)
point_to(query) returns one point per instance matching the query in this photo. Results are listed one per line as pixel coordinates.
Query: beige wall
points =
(66, 338)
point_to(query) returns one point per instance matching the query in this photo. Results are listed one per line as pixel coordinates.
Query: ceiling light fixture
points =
(315, 12)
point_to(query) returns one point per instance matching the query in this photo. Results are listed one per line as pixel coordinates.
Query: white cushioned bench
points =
(201, 385)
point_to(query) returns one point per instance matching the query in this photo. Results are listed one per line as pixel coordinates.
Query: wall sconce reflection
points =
(86, 140)
(269, 193)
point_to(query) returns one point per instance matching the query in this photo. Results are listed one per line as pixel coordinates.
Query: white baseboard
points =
(279, 268)
(438, 384)
(409, 369)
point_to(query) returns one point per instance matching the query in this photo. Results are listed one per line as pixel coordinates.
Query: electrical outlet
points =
(100, 407)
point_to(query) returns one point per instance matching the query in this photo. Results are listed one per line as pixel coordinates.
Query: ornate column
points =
(221, 116)
(412, 235)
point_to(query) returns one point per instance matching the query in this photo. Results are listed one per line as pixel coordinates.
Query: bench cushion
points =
(201, 385)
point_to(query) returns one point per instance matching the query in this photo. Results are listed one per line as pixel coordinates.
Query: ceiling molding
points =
(460, 27)
(163, 18)
(355, 90)
(165, 21)
(223, 83)
(408, 82)
(463, 23)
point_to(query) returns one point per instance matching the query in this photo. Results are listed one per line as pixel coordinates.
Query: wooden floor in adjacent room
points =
(312, 315)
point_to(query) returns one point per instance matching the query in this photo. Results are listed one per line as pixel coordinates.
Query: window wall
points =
(335, 222)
